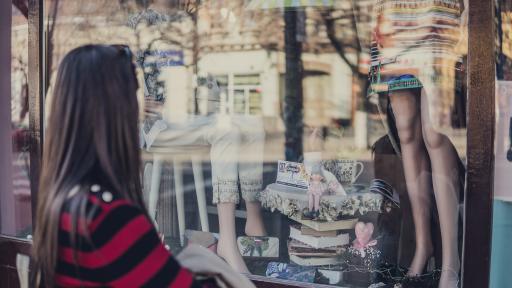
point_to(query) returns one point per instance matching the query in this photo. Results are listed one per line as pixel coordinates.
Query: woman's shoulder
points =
(107, 200)
(96, 196)
(96, 205)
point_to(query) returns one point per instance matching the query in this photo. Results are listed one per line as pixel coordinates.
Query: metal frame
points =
(480, 143)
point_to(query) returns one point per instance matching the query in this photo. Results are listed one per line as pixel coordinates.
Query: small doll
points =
(321, 182)
(317, 188)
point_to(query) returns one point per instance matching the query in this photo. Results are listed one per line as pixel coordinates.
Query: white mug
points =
(345, 170)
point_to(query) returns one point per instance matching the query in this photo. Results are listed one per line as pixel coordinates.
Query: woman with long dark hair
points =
(92, 228)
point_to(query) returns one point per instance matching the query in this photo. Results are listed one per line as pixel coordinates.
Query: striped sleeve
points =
(124, 251)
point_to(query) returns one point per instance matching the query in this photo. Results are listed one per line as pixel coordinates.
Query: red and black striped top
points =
(123, 248)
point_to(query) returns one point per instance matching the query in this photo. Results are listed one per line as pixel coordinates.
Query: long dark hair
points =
(91, 137)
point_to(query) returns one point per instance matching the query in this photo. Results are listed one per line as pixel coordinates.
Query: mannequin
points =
(245, 143)
(424, 150)
(430, 161)
(236, 144)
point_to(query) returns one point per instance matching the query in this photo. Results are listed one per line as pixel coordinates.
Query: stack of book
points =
(317, 243)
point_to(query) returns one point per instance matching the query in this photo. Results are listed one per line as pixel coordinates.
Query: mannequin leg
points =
(225, 145)
(445, 176)
(317, 202)
(406, 109)
(227, 247)
(251, 170)
(254, 225)
(311, 203)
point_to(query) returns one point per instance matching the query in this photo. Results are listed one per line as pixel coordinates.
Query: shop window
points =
(311, 201)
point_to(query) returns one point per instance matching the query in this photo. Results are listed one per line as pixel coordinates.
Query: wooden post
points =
(480, 145)
(36, 80)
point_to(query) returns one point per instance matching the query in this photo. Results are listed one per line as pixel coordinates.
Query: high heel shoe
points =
(429, 280)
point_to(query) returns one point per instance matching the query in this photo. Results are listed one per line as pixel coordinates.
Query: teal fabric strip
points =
(501, 252)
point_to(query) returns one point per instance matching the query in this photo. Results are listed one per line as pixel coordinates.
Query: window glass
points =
(311, 141)
(15, 200)
(502, 208)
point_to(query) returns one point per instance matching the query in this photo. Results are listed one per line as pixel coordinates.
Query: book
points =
(315, 261)
(300, 249)
(305, 230)
(327, 226)
(321, 241)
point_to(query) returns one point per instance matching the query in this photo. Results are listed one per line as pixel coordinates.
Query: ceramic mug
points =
(345, 170)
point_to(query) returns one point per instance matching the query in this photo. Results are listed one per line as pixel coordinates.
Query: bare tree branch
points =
(339, 46)
(331, 34)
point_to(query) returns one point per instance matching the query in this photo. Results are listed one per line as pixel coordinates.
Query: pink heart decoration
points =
(364, 234)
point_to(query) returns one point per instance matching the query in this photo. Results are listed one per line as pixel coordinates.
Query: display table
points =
(292, 201)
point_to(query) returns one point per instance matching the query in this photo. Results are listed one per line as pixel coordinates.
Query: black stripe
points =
(106, 230)
(133, 257)
(165, 275)
(113, 222)
(197, 284)
(82, 244)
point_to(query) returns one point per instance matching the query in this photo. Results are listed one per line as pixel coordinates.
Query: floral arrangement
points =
(331, 208)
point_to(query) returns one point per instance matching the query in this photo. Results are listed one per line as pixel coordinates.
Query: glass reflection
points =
(272, 102)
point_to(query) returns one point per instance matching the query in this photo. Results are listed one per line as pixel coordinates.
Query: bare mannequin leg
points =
(254, 224)
(311, 201)
(406, 108)
(224, 156)
(251, 171)
(227, 247)
(445, 175)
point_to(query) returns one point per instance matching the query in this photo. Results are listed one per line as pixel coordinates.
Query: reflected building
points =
(242, 50)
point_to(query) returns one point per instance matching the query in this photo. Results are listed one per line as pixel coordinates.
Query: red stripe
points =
(66, 219)
(144, 270)
(66, 281)
(114, 248)
(183, 279)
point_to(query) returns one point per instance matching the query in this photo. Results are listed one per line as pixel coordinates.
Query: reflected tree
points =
(348, 28)
(170, 31)
(293, 98)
